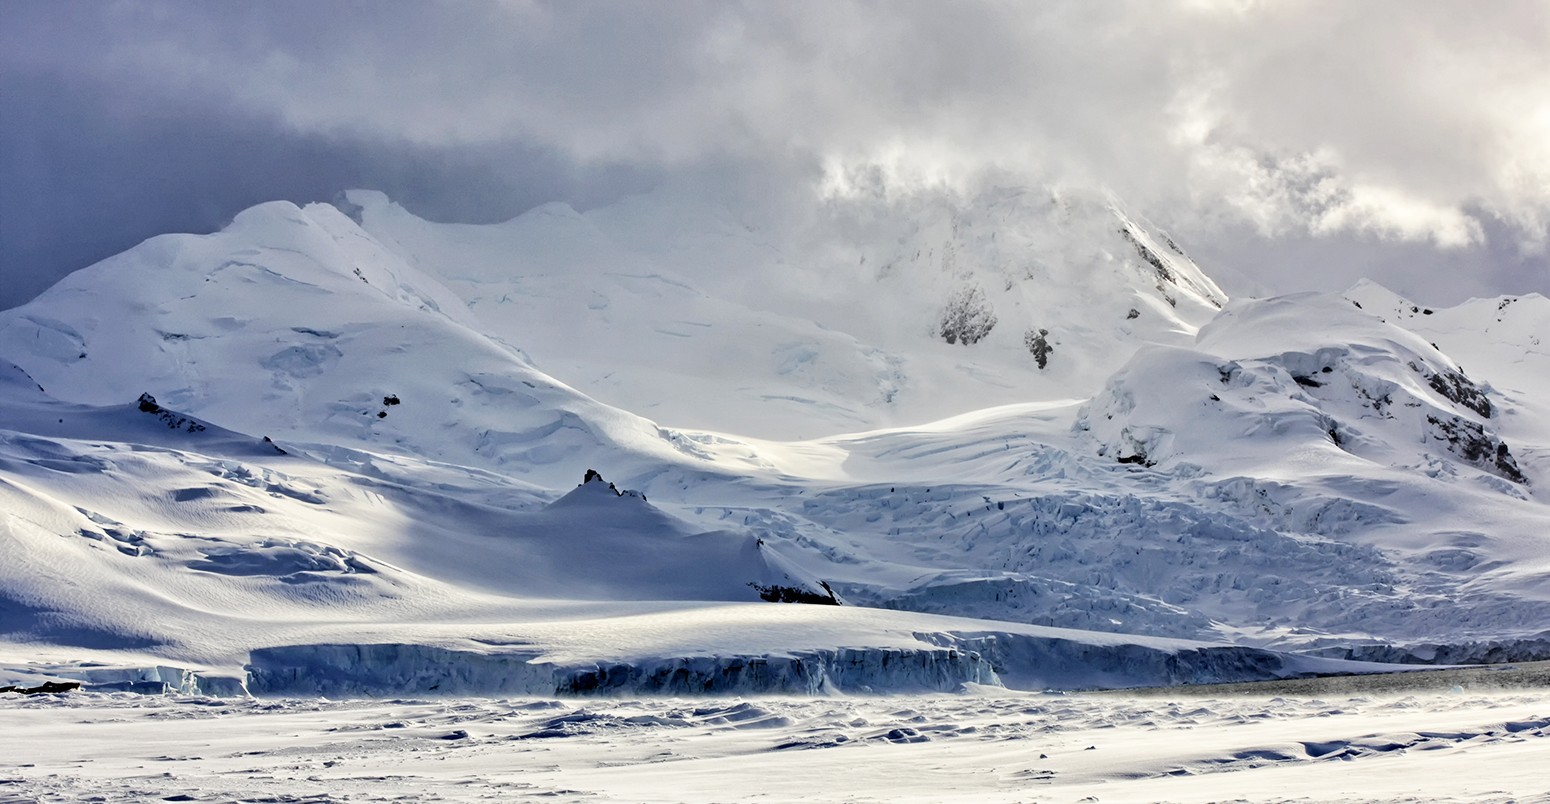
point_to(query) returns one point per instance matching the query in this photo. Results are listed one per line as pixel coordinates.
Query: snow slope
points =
(872, 313)
(1503, 343)
(257, 563)
(295, 321)
(347, 477)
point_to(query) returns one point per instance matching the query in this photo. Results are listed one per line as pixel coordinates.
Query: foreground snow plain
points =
(987, 745)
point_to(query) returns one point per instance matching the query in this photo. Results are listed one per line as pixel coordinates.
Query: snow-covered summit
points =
(295, 323)
(1298, 377)
(1504, 343)
(866, 313)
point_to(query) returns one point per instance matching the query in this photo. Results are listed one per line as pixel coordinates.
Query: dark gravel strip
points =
(1522, 675)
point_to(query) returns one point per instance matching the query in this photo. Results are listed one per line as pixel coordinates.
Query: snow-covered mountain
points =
(355, 465)
(296, 322)
(867, 315)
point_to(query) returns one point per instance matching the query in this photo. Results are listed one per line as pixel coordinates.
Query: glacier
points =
(336, 450)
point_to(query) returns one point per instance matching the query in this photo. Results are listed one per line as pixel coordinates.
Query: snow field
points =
(1447, 747)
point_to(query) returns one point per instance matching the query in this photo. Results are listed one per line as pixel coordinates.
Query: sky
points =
(1289, 146)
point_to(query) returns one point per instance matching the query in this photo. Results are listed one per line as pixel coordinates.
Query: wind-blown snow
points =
(1470, 745)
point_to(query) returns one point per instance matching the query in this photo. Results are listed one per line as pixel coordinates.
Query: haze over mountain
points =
(1291, 146)
(859, 317)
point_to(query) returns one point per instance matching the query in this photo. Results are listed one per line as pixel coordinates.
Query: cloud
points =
(1248, 123)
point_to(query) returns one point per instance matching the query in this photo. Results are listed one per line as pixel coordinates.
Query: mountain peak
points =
(296, 322)
(874, 312)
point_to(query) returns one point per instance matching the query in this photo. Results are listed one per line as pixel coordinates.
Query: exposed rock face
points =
(776, 593)
(46, 688)
(1458, 389)
(173, 420)
(1151, 258)
(594, 476)
(968, 317)
(1476, 445)
(1039, 346)
(1168, 280)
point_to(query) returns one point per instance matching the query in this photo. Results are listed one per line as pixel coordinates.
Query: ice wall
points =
(819, 672)
(343, 671)
(1025, 662)
(401, 669)
(944, 662)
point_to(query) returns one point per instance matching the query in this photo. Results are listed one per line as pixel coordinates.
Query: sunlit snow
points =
(339, 451)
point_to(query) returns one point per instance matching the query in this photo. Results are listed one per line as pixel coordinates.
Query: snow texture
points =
(1470, 745)
(320, 453)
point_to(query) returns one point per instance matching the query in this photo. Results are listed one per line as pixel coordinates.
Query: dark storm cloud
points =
(87, 177)
(95, 157)
(1298, 142)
